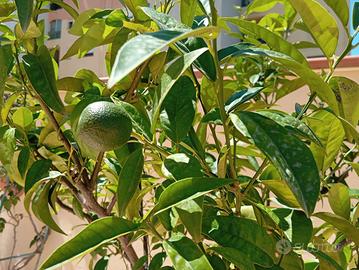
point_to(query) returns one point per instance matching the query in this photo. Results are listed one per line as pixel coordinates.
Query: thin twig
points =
(96, 170)
(135, 81)
(112, 204)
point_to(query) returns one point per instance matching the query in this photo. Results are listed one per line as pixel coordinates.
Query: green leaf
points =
(321, 255)
(296, 226)
(274, 41)
(341, 9)
(292, 124)
(178, 109)
(38, 170)
(347, 92)
(188, 11)
(7, 144)
(242, 238)
(102, 264)
(24, 12)
(180, 166)
(330, 132)
(205, 62)
(187, 189)
(205, 6)
(241, 97)
(22, 117)
(70, 84)
(94, 235)
(339, 200)
(134, 6)
(341, 224)
(288, 154)
(355, 20)
(140, 122)
(321, 24)
(261, 6)
(6, 63)
(40, 70)
(40, 207)
(130, 56)
(186, 255)
(282, 191)
(172, 73)
(70, 10)
(312, 79)
(28, 196)
(23, 160)
(190, 213)
(129, 179)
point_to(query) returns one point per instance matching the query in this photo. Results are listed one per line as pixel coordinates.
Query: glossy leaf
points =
(172, 73)
(37, 171)
(140, 48)
(321, 24)
(40, 207)
(6, 63)
(187, 189)
(314, 81)
(339, 200)
(323, 256)
(205, 62)
(206, 6)
(24, 12)
(292, 124)
(347, 92)
(7, 144)
(129, 179)
(274, 41)
(22, 117)
(69, 9)
(330, 132)
(296, 226)
(188, 11)
(341, 224)
(289, 155)
(180, 166)
(102, 264)
(95, 234)
(23, 160)
(190, 213)
(246, 240)
(186, 255)
(134, 6)
(70, 84)
(341, 9)
(40, 70)
(241, 97)
(261, 6)
(178, 109)
(52, 175)
(283, 192)
(140, 122)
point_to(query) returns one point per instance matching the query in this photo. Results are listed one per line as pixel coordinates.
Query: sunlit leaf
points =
(94, 235)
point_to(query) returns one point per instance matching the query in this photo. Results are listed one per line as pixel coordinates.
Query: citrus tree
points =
(183, 148)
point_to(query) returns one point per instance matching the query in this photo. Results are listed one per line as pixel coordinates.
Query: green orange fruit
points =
(103, 126)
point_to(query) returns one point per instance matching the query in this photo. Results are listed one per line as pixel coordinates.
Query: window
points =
(354, 22)
(54, 7)
(55, 29)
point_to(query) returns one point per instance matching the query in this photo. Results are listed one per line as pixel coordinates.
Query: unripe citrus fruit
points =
(103, 126)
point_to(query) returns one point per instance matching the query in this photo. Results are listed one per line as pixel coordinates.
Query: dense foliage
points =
(214, 176)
